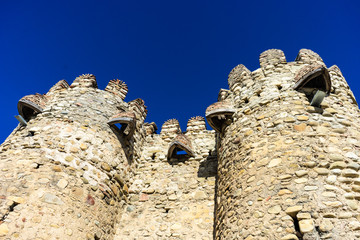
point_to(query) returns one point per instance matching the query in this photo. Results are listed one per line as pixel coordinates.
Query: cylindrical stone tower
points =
(288, 156)
(65, 175)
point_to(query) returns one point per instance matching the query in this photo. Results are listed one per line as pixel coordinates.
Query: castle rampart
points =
(66, 174)
(172, 196)
(288, 169)
(281, 163)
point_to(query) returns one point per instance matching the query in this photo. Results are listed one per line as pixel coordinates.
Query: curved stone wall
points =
(283, 163)
(288, 170)
(66, 174)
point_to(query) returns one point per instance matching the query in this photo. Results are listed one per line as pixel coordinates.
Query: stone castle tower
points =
(281, 163)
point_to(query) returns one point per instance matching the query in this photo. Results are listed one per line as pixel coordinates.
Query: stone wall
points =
(173, 198)
(66, 174)
(86, 157)
(281, 163)
(288, 170)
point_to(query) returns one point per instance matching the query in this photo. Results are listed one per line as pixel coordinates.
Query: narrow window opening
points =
(123, 123)
(314, 82)
(28, 113)
(317, 82)
(180, 150)
(179, 153)
(122, 128)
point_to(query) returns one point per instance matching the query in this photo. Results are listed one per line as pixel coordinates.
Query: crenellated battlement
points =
(307, 74)
(85, 163)
(117, 86)
(60, 85)
(196, 124)
(280, 128)
(139, 108)
(150, 128)
(170, 129)
(284, 152)
(272, 60)
(239, 76)
(172, 140)
(85, 80)
(308, 56)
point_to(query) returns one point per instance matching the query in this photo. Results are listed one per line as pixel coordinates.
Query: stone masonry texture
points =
(282, 162)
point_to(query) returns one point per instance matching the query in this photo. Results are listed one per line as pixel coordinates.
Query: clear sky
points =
(175, 55)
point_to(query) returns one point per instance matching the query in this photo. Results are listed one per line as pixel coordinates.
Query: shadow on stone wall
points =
(180, 159)
(208, 167)
(126, 145)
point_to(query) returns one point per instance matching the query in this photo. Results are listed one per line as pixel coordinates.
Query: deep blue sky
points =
(176, 55)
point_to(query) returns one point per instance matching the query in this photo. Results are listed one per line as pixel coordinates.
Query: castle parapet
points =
(117, 87)
(196, 124)
(78, 167)
(150, 128)
(337, 79)
(223, 94)
(170, 129)
(339, 85)
(272, 59)
(285, 158)
(60, 85)
(139, 108)
(238, 77)
(85, 80)
(308, 56)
